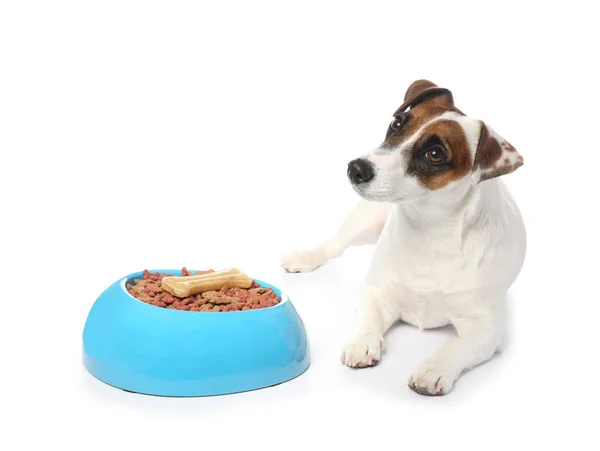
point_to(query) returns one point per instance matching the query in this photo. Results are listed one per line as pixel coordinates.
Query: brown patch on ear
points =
(494, 156)
(453, 136)
(422, 90)
(417, 87)
(488, 150)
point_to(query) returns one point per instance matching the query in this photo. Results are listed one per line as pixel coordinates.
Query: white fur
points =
(442, 257)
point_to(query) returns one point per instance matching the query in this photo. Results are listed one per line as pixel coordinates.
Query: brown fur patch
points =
(435, 96)
(453, 136)
(417, 87)
(488, 150)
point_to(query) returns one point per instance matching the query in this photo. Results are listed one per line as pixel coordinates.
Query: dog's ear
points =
(494, 156)
(421, 90)
(417, 87)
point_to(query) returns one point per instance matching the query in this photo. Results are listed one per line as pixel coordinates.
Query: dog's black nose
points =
(360, 171)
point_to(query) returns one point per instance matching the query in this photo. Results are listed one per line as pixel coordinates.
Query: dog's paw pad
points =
(362, 351)
(431, 379)
(302, 261)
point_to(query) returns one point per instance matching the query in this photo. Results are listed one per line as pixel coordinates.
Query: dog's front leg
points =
(479, 337)
(362, 226)
(376, 315)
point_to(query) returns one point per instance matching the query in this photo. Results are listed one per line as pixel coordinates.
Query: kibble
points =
(148, 290)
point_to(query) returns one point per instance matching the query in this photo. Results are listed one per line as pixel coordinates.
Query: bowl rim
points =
(123, 282)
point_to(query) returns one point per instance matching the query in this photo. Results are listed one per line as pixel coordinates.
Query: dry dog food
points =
(203, 291)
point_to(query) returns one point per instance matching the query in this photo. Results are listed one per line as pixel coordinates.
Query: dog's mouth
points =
(376, 192)
(367, 192)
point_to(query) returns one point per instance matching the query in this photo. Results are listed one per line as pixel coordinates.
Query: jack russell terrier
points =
(450, 238)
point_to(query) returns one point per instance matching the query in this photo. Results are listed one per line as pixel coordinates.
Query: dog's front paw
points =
(362, 351)
(432, 379)
(302, 261)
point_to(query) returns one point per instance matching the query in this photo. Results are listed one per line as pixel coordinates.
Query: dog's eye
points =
(436, 155)
(397, 122)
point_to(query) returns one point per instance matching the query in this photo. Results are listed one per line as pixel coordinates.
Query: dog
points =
(450, 239)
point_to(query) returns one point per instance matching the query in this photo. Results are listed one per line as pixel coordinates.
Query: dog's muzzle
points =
(360, 171)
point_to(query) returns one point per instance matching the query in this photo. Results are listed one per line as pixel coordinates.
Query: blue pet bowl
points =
(147, 349)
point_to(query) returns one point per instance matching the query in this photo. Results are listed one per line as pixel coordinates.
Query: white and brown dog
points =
(450, 239)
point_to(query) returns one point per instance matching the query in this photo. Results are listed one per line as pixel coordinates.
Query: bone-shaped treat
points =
(170, 281)
(183, 289)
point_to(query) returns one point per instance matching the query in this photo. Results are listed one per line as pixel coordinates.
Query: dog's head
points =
(431, 147)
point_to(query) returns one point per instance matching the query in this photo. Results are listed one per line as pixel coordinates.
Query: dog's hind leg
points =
(362, 226)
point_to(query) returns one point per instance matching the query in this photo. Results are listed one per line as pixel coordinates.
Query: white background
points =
(211, 134)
